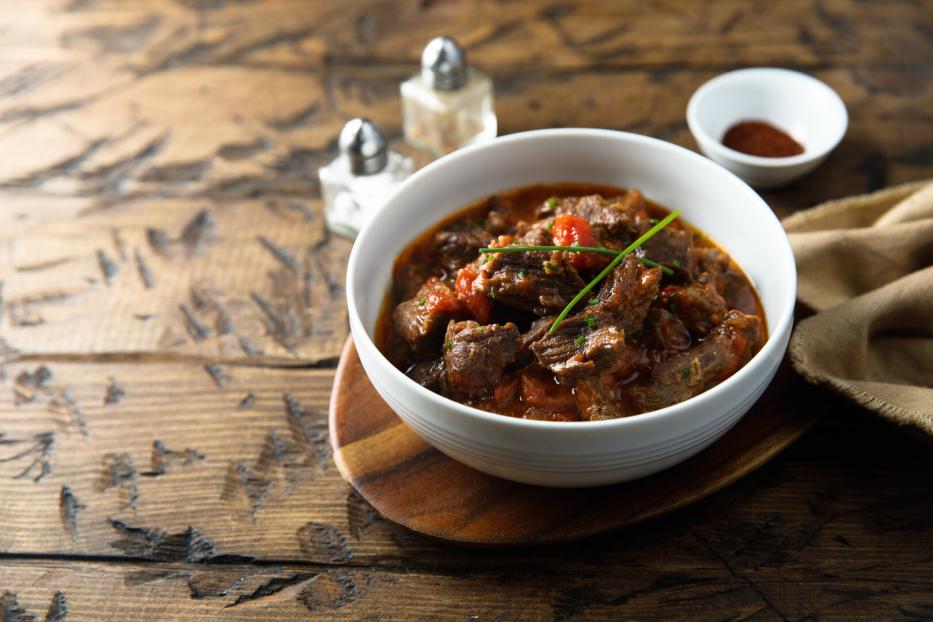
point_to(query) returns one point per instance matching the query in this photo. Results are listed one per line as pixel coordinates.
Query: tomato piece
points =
(570, 230)
(739, 345)
(440, 298)
(539, 390)
(476, 302)
(506, 391)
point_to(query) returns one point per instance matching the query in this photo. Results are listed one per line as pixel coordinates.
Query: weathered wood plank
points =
(173, 468)
(116, 99)
(140, 114)
(54, 245)
(239, 592)
(169, 448)
(695, 587)
(152, 36)
(137, 140)
(217, 279)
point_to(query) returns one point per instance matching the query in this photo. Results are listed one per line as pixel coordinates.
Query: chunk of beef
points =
(535, 332)
(431, 374)
(408, 278)
(711, 262)
(581, 346)
(456, 249)
(539, 282)
(699, 306)
(665, 331)
(682, 376)
(499, 219)
(711, 265)
(476, 355)
(498, 223)
(615, 218)
(628, 292)
(598, 398)
(670, 247)
(547, 209)
(421, 320)
(537, 233)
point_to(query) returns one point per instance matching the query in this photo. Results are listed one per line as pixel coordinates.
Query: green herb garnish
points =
(550, 265)
(448, 345)
(615, 262)
(676, 263)
(654, 264)
(552, 202)
(590, 321)
(593, 301)
(575, 249)
(422, 302)
(579, 341)
(521, 274)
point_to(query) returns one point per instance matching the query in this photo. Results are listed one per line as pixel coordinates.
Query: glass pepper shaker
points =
(449, 104)
(360, 179)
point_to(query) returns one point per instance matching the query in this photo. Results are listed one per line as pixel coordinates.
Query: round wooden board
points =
(411, 483)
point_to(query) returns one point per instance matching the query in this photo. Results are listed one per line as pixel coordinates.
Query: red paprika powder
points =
(761, 139)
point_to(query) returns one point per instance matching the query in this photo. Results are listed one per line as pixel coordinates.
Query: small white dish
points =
(807, 109)
(586, 453)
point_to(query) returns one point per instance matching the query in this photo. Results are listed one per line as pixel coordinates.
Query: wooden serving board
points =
(411, 483)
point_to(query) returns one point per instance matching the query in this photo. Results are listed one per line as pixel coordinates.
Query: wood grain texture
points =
(172, 591)
(154, 468)
(247, 97)
(176, 471)
(391, 468)
(231, 280)
(185, 119)
(229, 461)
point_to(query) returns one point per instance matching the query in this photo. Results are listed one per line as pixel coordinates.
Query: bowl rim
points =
(720, 150)
(778, 328)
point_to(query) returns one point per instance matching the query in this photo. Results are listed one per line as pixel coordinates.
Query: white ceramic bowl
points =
(807, 109)
(581, 453)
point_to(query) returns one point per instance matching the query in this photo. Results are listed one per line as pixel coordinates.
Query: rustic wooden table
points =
(173, 309)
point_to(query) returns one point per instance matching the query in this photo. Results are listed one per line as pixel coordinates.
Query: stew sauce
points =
(474, 326)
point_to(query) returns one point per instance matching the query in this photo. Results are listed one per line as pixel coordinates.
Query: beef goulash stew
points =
(480, 313)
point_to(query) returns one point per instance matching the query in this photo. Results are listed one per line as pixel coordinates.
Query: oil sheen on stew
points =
(474, 327)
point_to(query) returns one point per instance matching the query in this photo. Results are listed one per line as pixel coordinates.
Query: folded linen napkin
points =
(865, 266)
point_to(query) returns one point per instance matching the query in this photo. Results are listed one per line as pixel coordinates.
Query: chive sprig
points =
(582, 249)
(619, 256)
(615, 262)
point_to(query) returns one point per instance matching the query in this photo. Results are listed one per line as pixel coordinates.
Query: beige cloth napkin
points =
(865, 265)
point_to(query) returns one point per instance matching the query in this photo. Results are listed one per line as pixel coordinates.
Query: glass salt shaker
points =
(449, 104)
(360, 179)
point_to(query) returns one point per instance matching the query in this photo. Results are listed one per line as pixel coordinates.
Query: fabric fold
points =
(865, 265)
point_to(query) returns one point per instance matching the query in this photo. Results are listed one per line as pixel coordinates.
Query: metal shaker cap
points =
(443, 64)
(364, 143)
